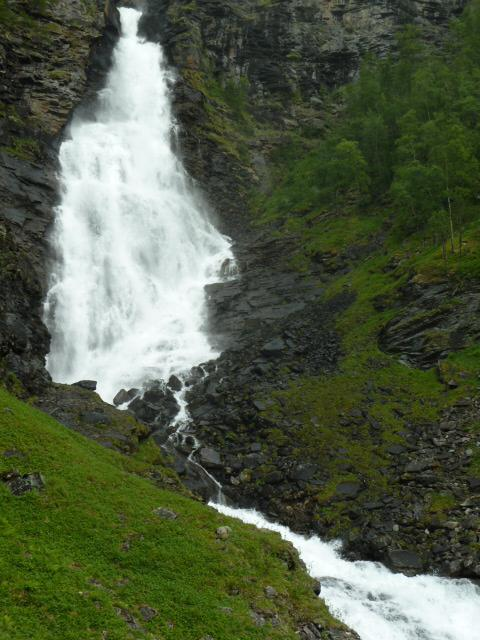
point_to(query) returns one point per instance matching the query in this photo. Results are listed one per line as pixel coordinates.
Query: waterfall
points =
(126, 305)
(135, 248)
(379, 604)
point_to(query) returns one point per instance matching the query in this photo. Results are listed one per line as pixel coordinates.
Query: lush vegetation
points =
(87, 557)
(408, 137)
(389, 197)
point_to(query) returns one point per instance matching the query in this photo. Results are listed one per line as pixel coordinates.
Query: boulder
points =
(474, 484)
(156, 393)
(258, 619)
(128, 618)
(158, 405)
(223, 533)
(143, 410)
(196, 374)
(20, 484)
(13, 453)
(148, 613)
(124, 396)
(185, 443)
(209, 458)
(304, 472)
(174, 383)
(348, 490)
(270, 592)
(165, 514)
(274, 348)
(89, 385)
(416, 466)
(405, 559)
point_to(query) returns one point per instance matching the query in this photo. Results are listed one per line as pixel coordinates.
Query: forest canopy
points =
(409, 135)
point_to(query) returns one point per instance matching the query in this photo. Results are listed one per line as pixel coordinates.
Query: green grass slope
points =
(87, 558)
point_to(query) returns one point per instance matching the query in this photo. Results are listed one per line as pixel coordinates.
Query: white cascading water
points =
(127, 304)
(379, 604)
(135, 248)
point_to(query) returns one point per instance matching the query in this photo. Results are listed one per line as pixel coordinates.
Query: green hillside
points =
(86, 557)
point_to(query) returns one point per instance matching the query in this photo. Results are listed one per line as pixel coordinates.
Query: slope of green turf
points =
(87, 558)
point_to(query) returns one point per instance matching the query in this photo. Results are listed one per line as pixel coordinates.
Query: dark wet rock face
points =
(157, 405)
(274, 327)
(49, 62)
(272, 323)
(435, 319)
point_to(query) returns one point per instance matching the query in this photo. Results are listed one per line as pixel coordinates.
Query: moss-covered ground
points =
(351, 421)
(83, 556)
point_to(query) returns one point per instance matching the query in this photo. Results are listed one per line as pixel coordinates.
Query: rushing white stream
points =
(379, 604)
(135, 248)
(126, 305)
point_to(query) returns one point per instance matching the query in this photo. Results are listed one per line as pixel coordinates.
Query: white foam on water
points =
(379, 604)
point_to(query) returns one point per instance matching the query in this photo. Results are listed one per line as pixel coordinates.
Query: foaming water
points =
(135, 249)
(379, 604)
(126, 305)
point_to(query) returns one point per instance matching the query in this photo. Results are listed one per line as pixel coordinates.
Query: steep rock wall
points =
(251, 73)
(52, 55)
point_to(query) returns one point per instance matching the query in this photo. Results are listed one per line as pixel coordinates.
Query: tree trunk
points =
(450, 216)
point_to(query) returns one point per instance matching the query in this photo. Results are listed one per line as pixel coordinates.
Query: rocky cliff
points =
(253, 73)
(297, 416)
(304, 413)
(51, 56)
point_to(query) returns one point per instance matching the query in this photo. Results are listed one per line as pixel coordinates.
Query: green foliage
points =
(377, 203)
(236, 96)
(23, 148)
(88, 547)
(409, 136)
(441, 502)
(21, 15)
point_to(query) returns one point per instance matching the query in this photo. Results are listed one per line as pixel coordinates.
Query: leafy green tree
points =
(411, 54)
(416, 194)
(451, 151)
(432, 88)
(409, 143)
(346, 172)
(410, 132)
(439, 227)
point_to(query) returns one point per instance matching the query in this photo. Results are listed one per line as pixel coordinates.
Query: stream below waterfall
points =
(379, 604)
(134, 250)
